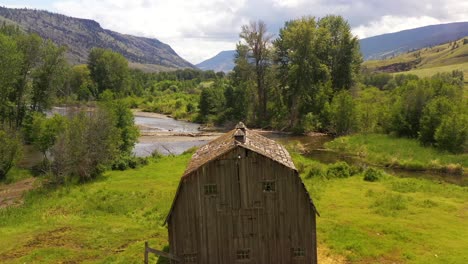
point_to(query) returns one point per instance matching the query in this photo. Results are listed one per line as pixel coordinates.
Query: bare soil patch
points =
(12, 194)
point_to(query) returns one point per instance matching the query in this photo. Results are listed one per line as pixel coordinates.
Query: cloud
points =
(199, 29)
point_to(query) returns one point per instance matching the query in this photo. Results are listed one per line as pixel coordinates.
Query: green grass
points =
(428, 72)
(396, 152)
(107, 221)
(104, 221)
(16, 174)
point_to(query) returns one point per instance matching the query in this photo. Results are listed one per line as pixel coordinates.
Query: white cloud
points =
(195, 29)
(199, 29)
(389, 24)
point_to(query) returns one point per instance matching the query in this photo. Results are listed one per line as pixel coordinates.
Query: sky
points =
(199, 29)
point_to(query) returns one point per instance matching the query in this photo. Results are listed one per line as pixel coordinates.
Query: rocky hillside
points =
(81, 35)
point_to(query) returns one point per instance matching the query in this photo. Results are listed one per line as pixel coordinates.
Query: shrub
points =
(339, 170)
(315, 171)
(372, 175)
(452, 133)
(156, 154)
(10, 151)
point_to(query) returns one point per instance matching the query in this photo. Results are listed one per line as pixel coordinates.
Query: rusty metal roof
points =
(243, 137)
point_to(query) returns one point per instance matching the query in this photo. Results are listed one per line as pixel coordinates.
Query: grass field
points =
(430, 57)
(404, 153)
(393, 220)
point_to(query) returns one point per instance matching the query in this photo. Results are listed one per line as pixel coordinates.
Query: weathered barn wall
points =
(242, 222)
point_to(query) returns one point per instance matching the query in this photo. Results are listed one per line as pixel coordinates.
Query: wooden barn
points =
(241, 200)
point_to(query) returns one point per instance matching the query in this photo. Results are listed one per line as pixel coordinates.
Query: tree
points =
(10, 151)
(123, 121)
(10, 66)
(344, 113)
(431, 118)
(452, 134)
(45, 131)
(301, 73)
(30, 48)
(82, 84)
(256, 50)
(211, 102)
(49, 77)
(87, 147)
(109, 70)
(342, 54)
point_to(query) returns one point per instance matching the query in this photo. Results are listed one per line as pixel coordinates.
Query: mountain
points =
(378, 47)
(388, 45)
(81, 35)
(223, 61)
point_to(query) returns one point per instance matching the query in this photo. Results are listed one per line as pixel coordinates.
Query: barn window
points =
(190, 258)
(269, 186)
(243, 254)
(211, 189)
(297, 252)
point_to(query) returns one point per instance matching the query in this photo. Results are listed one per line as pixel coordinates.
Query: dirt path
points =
(12, 194)
(325, 257)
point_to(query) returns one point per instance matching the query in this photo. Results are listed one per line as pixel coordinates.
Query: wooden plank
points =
(163, 254)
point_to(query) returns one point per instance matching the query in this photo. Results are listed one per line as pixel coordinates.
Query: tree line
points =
(34, 75)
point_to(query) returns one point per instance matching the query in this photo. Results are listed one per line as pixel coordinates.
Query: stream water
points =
(167, 139)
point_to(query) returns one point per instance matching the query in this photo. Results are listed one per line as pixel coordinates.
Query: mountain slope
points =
(451, 53)
(81, 35)
(223, 61)
(388, 45)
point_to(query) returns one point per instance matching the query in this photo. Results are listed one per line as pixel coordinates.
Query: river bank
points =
(403, 154)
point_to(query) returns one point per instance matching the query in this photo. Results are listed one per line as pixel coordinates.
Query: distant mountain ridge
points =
(223, 61)
(81, 35)
(377, 47)
(391, 44)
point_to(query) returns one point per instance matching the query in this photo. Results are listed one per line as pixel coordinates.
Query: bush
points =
(315, 171)
(452, 133)
(10, 151)
(156, 154)
(372, 175)
(339, 170)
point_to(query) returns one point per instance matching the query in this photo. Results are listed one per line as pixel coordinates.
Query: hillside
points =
(446, 57)
(389, 45)
(81, 35)
(223, 61)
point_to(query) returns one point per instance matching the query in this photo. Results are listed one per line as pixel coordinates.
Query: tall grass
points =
(399, 153)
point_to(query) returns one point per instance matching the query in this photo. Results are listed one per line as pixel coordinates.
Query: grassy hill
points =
(394, 220)
(81, 35)
(426, 61)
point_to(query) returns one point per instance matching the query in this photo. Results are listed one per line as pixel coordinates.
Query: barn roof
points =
(240, 136)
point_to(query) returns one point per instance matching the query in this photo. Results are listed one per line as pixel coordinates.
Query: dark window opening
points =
(211, 189)
(269, 186)
(190, 258)
(298, 252)
(243, 254)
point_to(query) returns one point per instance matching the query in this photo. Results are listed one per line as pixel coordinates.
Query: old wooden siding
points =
(242, 216)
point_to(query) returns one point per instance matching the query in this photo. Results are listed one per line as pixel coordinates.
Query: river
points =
(170, 136)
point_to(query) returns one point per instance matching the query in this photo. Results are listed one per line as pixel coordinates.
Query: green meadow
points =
(389, 151)
(391, 220)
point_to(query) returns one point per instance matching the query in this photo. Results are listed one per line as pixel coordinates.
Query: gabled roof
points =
(243, 137)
